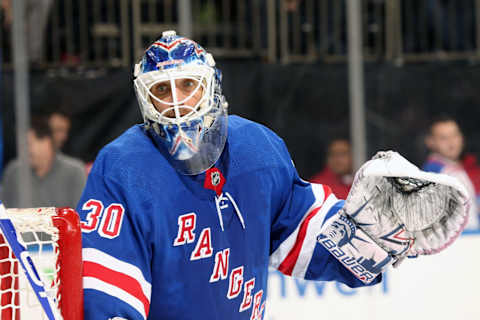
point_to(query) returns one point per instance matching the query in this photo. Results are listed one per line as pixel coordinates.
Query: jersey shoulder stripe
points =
(91, 283)
(117, 278)
(294, 254)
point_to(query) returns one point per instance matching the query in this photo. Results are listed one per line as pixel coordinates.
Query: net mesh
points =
(37, 233)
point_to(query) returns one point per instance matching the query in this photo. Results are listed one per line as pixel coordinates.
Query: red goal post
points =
(53, 239)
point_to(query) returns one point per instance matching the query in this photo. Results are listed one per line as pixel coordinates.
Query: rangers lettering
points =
(235, 284)
(221, 266)
(247, 295)
(203, 248)
(186, 226)
(256, 312)
(220, 270)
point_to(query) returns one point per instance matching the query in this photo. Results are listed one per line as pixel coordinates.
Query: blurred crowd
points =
(57, 179)
(445, 143)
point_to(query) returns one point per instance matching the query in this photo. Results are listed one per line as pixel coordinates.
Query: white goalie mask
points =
(179, 93)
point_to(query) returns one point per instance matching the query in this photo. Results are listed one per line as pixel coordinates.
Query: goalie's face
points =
(166, 96)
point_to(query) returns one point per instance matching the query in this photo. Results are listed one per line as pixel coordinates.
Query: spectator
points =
(338, 172)
(445, 142)
(59, 122)
(57, 180)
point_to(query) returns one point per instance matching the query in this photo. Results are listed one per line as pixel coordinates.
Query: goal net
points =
(52, 237)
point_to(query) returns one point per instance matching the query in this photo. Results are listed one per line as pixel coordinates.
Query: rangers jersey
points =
(162, 245)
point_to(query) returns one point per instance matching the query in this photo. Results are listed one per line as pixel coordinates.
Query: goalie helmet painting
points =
(182, 221)
(179, 92)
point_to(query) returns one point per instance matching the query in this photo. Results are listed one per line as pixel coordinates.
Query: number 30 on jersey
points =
(106, 221)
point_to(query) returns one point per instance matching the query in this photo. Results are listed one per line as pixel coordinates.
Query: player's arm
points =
(116, 270)
(296, 251)
(296, 223)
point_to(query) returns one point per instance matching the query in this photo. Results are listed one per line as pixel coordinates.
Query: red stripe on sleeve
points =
(117, 279)
(286, 267)
(327, 191)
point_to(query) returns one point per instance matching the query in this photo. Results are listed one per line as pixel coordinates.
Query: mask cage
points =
(204, 76)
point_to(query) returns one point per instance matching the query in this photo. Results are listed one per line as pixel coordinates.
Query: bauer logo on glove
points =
(394, 210)
(353, 248)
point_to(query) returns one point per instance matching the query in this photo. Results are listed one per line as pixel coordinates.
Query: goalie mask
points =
(179, 93)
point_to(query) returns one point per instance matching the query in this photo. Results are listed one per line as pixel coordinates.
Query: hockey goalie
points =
(182, 215)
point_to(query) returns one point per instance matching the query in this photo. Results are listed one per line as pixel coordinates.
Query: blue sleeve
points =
(117, 274)
(302, 210)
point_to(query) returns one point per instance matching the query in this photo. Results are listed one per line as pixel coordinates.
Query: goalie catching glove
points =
(394, 210)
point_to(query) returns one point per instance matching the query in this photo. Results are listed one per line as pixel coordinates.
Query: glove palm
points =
(405, 210)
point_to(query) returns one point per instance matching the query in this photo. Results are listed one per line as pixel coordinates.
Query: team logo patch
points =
(214, 180)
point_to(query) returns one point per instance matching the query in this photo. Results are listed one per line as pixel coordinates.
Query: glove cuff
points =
(356, 250)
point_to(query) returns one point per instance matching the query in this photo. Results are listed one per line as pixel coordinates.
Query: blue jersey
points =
(162, 245)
